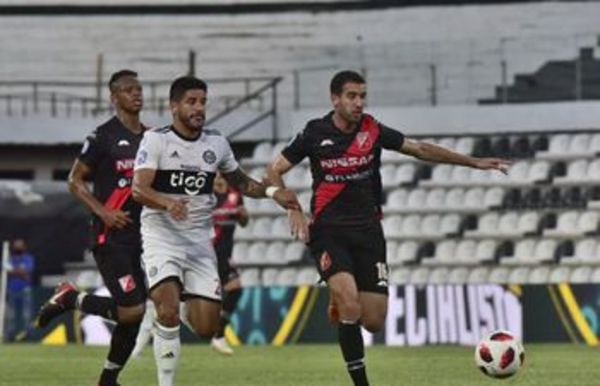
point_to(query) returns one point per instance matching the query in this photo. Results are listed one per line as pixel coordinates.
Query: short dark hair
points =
(116, 76)
(183, 84)
(341, 78)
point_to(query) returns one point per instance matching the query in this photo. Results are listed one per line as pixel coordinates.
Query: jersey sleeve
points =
(91, 151)
(391, 139)
(296, 149)
(228, 163)
(148, 154)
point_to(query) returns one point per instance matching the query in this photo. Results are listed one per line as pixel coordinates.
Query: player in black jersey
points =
(228, 213)
(107, 160)
(346, 239)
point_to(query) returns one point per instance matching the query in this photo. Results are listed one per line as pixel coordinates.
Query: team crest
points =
(364, 140)
(209, 157)
(325, 261)
(127, 283)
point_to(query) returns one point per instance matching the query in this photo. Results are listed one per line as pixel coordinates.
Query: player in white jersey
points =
(174, 172)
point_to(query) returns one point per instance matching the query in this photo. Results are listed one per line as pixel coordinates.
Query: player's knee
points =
(206, 330)
(167, 315)
(373, 325)
(349, 309)
(131, 315)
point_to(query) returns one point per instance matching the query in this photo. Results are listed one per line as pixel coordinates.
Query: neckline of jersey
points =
(348, 134)
(185, 138)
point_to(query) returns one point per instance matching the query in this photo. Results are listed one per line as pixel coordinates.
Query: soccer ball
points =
(499, 355)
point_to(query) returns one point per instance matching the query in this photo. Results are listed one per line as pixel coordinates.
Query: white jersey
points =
(184, 169)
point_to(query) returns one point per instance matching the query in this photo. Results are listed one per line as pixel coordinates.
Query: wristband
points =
(271, 190)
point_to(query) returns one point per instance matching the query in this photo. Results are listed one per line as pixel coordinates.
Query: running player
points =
(346, 239)
(228, 212)
(174, 173)
(107, 160)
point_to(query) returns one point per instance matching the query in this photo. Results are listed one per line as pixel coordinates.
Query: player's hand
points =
(242, 216)
(178, 209)
(298, 225)
(287, 199)
(115, 218)
(492, 164)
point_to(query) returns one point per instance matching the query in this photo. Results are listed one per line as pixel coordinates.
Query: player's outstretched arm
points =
(252, 188)
(78, 176)
(433, 153)
(144, 194)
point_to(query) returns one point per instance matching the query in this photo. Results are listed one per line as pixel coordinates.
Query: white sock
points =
(167, 346)
(145, 333)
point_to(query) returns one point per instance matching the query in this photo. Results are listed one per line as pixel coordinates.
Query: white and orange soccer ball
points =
(499, 355)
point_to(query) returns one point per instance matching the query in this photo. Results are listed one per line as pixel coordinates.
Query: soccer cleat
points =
(55, 306)
(220, 345)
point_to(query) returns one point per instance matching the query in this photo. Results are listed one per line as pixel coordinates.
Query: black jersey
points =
(345, 169)
(110, 154)
(225, 218)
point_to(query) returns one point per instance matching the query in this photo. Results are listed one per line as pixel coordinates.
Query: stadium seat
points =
(406, 252)
(528, 223)
(581, 275)
(518, 275)
(558, 146)
(280, 228)
(465, 252)
(388, 175)
(262, 152)
(560, 275)
(539, 275)
(261, 228)
(566, 225)
(440, 175)
(474, 198)
(594, 145)
(269, 276)
(435, 199)
(411, 226)
(450, 224)
(444, 254)
(399, 276)
(392, 226)
(458, 275)
(250, 277)
(390, 251)
(307, 276)
(430, 226)
(438, 275)
(455, 199)
(486, 250)
(257, 253)
(397, 199)
(304, 199)
(493, 197)
(446, 142)
(297, 178)
(416, 199)
(523, 254)
(499, 275)
(461, 175)
(585, 252)
(276, 253)
(244, 233)
(487, 226)
(287, 277)
(294, 251)
(269, 207)
(587, 222)
(593, 172)
(478, 275)
(240, 253)
(419, 275)
(576, 173)
(539, 172)
(508, 224)
(405, 174)
(580, 144)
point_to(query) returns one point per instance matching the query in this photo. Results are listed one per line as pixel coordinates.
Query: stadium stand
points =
(456, 225)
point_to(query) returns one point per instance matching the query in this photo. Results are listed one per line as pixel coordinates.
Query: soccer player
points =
(346, 239)
(174, 172)
(107, 159)
(228, 212)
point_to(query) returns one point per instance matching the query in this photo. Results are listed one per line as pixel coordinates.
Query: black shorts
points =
(227, 272)
(361, 252)
(122, 273)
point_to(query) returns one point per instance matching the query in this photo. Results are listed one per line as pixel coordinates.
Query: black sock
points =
(121, 346)
(99, 305)
(353, 350)
(230, 301)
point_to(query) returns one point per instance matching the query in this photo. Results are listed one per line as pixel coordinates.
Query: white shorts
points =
(195, 266)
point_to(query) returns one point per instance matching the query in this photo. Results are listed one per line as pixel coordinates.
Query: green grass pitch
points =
(301, 365)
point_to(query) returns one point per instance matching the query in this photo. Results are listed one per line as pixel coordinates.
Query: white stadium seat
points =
(458, 275)
(435, 199)
(294, 251)
(499, 275)
(449, 224)
(560, 275)
(262, 152)
(455, 198)
(240, 253)
(581, 275)
(250, 277)
(287, 277)
(406, 252)
(307, 276)
(388, 175)
(276, 253)
(268, 277)
(416, 199)
(257, 253)
(464, 145)
(478, 275)
(399, 276)
(485, 251)
(438, 275)
(518, 275)
(493, 197)
(397, 199)
(474, 198)
(419, 276)
(539, 275)
(405, 174)
(392, 226)
(465, 252)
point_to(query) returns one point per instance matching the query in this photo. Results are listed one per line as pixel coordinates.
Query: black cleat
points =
(55, 306)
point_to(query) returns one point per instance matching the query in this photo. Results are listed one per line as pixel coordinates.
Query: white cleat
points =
(220, 345)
